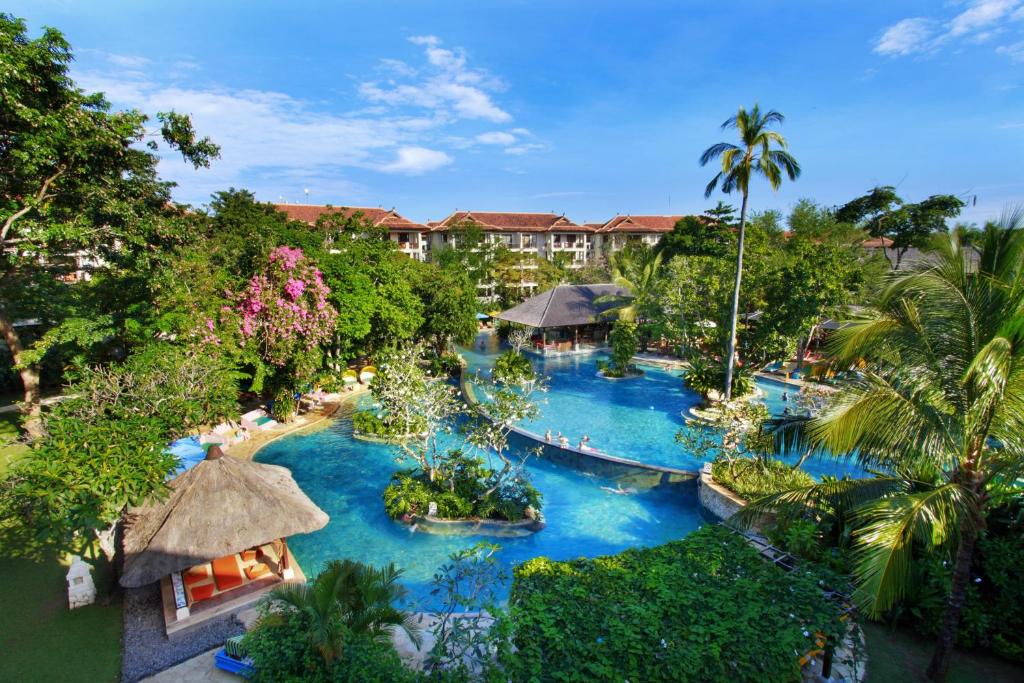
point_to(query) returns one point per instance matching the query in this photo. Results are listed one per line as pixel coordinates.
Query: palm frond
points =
(715, 151)
(891, 526)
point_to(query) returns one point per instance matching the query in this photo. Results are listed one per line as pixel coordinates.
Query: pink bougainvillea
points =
(285, 308)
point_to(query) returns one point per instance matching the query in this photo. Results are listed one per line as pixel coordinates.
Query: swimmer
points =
(785, 395)
(547, 436)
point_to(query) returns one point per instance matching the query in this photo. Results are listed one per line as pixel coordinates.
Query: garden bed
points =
(476, 527)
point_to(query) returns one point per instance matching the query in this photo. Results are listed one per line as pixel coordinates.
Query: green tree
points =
(624, 340)
(636, 270)
(884, 215)
(938, 410)
(346, 600)
(72, 178)
(755, 156)
(470, 251)
(696, 236)
(449, 307)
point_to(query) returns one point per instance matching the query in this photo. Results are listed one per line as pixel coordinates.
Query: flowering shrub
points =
(285, 309)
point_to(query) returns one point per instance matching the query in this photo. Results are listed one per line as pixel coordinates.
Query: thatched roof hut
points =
(564, 306)
(221, 506)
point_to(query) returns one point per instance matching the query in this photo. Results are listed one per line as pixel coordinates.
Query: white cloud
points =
(416, 160)
(981, 14)
(524, 148)
(1015, 51)
(496, 138)
(981, 22)
(906, 37)
(452, 89)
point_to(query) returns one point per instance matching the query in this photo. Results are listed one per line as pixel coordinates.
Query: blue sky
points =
(589, 108)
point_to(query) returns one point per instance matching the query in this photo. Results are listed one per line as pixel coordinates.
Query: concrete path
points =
(200, 669)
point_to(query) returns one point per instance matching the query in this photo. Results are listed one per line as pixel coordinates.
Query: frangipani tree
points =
(939, 409)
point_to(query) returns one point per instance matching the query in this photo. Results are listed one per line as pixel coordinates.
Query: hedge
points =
(707, 608)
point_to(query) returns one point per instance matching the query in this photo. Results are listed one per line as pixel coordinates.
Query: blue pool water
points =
(636, 418)
(345, 477)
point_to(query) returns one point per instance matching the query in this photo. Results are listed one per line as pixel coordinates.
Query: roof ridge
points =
(551, 297)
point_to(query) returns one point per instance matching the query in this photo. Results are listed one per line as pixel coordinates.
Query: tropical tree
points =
(634, 269)
(73, 178)
(939, 410)
(347, 599)
(761, 152)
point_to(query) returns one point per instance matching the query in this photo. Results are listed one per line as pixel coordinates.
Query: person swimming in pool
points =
(547, 436)
(785, 396)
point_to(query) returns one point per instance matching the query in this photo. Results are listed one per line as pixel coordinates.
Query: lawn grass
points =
(9, 446)
(903, 655)
(40, 638)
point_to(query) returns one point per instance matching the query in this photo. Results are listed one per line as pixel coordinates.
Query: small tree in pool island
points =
(754, 156)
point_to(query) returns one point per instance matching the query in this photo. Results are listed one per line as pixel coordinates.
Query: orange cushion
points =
(197, 574)
(256, 571)
(248, 556)
(201, 592)
(226, 573)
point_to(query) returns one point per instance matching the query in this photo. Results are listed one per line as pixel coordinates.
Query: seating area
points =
(223, 574)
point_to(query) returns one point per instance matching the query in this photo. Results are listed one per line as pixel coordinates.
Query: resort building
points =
(409, 235)
(567, 318)
(620, 230)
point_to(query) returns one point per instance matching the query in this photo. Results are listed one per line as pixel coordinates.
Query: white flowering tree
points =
(519, 338)
(422, 406)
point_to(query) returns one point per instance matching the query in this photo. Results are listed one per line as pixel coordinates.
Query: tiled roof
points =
(377, 216)
(512, 222)
(640, 224)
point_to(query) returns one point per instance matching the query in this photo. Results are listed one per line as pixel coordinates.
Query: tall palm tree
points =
(939, 410)
(635, 270)
(346, 599)
(761, 152)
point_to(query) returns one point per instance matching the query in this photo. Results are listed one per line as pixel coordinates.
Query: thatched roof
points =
(564, 305)
(220, 506)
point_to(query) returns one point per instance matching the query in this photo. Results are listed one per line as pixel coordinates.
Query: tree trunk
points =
(939, 665)
(731, 345)
(804, 344)
(31, 405)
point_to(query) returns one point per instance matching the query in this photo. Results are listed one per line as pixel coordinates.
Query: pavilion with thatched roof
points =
(568, 317)
(217, 542)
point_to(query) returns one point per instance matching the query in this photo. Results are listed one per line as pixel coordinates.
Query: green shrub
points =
(513, 368)
(371, 423)
(624, 341)
(411, 492)
(707, 608)
(753, 478)
(707, 374)
(282, 654)
(284, 406)
(993, 612)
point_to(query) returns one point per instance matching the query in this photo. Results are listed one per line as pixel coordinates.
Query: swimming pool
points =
(636, 418)
(346, 478)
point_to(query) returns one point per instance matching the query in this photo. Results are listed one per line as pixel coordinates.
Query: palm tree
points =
(939, 411)
(636, 270)
(754, 156)
(346, 599)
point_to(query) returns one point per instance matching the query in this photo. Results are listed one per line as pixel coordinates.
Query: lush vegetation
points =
(481, 479)
(751, 478)
(513, 368)
(691, 610)
(470, 492)
(624, 342)
(937, 413)
(370, 422)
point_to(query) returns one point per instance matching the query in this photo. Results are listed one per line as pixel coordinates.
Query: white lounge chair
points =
(256, 420)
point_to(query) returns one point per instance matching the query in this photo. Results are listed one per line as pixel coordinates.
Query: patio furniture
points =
(232, 658)
(258, 420)
(367, 374)
(226, 573)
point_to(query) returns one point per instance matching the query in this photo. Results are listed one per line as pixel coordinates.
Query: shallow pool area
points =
(345, 477)
(635, 418)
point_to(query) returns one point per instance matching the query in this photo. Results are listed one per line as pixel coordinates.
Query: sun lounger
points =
(226, 573)
(258, 419)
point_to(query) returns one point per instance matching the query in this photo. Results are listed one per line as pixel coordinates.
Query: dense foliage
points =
(512, 368)
(371, 423)
(690, 610)
(752, 478)
(470, 491)
(624, 341)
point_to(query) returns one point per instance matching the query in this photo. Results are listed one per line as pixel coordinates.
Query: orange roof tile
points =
(494, 221)
(640, 224)
(377, 216)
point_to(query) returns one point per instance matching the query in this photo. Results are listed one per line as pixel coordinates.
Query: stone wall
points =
(717, 500)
